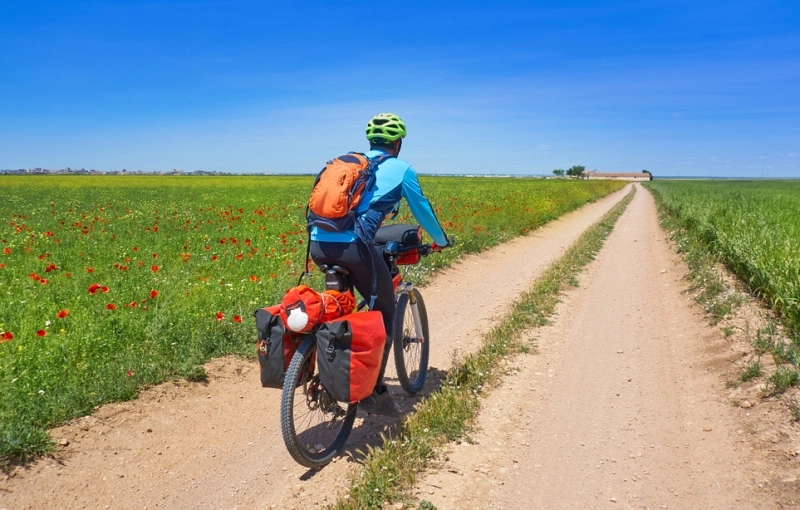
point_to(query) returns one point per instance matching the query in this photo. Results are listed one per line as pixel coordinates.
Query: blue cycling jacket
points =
(395, 179)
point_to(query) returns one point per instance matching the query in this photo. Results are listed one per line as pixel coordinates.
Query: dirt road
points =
(218, 445)
(623, 406)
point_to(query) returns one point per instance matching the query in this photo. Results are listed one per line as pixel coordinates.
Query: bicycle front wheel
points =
(314, 425)
(411, 341)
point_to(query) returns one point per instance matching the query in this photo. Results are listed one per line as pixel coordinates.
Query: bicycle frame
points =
(315, 445)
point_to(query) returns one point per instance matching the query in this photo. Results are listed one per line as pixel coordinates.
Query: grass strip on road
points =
(389, 472)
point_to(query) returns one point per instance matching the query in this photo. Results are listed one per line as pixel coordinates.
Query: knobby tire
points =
(314, 427)
(410, 357)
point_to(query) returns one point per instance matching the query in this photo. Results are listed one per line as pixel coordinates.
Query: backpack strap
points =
(306, 272)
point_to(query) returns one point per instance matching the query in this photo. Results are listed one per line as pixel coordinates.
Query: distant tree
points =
(648, 173)
(559, 172)
(576, 170)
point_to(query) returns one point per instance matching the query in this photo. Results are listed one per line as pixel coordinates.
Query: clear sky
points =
(703, 88)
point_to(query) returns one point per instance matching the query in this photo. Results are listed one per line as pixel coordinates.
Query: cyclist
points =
(395, 179)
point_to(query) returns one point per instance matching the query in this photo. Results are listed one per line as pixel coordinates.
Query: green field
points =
(753, 227)
(112, 283)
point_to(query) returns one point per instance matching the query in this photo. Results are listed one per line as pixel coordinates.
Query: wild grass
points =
(750, 229)
(390, 471)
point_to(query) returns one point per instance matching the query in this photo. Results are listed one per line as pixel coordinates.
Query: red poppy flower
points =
(103, 289)
(130, 373)
(222, 241)
(208, 247)
(239, 256)
(153, 294)
(133, 304)
(154, 268)
(41, 332)
(2, 266)
(135, 248)
(247, 242)
(111, 306)
(68, 275)
(7, 251)
(90, 270)
(44, 281)
(34, 276)
(219, 316)
(155, 255)
(93, 288)
(6, 336)
(253, 278)
(62, 313)
(237, 318)
(214, 257)
(272, 275)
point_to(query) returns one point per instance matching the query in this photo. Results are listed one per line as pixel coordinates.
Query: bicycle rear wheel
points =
(314, 425)
(411, 342)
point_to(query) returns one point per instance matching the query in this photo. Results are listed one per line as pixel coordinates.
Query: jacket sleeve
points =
(421, 207)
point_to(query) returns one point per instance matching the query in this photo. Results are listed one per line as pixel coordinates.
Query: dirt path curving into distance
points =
(218, 444)
(623, 406)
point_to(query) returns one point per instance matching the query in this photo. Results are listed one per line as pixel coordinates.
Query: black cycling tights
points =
(355, 258)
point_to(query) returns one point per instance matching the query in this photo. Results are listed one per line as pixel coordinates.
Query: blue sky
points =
(679, 88)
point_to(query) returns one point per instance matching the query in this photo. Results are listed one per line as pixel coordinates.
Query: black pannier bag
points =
(275, 346)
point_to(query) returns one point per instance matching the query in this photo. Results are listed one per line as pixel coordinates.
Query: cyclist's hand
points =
(450, 242)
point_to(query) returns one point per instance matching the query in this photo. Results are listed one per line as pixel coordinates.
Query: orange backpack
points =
(338, 191)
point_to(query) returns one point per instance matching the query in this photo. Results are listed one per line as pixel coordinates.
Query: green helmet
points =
(385, 126)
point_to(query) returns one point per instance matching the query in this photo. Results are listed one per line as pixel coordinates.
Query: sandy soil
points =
(218, 444)
(625, 403)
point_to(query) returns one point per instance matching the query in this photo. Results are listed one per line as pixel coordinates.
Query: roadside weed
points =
(783, 378)
(750, 371)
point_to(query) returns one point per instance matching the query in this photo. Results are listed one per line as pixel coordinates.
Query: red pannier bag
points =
(349, 355)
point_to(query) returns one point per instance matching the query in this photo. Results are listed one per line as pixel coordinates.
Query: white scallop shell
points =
(297, 320)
